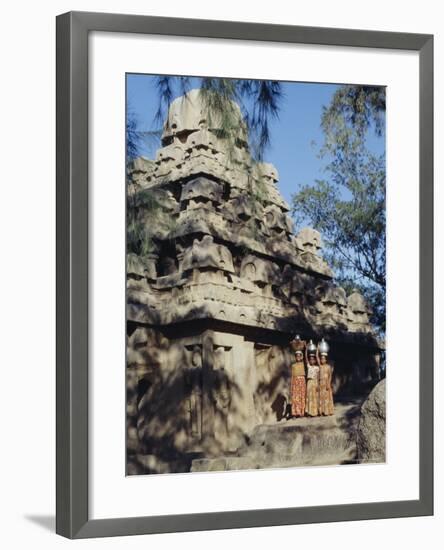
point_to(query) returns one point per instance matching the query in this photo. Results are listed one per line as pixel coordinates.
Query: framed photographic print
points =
(244, 274)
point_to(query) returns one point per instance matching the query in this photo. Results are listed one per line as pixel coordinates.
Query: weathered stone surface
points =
(207, 253)
(310, 239)
(189, 113)
(371, 429)
(267, 171)
(223, 464)
(140, 267)
(202, 188)
(358, 312)
(299, 442)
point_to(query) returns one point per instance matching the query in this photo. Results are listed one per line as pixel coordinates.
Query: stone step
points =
(297, 442)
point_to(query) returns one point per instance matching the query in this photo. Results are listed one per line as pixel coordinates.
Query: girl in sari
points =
(326, 406)
(312, 401)
(298, 385)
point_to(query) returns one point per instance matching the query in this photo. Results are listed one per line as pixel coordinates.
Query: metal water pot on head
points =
(324, 348)
(311, 348)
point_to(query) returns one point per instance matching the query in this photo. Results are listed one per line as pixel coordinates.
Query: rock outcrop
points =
(371, 428)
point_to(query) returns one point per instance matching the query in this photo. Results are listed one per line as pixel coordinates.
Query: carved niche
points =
(358, 311)
(202, 188)
(221, 391)
(257, 270)
(332, 304)
(207, 254)
(193, 392)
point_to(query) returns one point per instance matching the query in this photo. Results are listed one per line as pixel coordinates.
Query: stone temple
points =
(214, 300)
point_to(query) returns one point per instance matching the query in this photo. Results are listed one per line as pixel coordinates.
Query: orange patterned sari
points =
(312, 406)
(326, 406)
(298, 388)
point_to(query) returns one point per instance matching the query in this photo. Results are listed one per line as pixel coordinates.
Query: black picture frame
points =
(72, 519)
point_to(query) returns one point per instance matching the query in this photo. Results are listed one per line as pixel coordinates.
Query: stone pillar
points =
(244, 373)
(207, 397)
(229, 379)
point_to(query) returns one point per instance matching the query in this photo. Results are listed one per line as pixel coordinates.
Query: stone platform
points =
(318, 441)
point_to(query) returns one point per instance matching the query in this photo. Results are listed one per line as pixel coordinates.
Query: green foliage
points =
(139, 234)
(351, 113)
(136, 138)
(147, 218)
(348, 207)
(132, 137)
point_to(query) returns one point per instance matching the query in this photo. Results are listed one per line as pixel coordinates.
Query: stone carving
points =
(171, 153)
(221, 392)
(332, 304)
(202, 188)
(193, 381)
(295, 286)
(258, 270)
(358, 311)
(206, 253)
(267, 171)
(203, 139)
(310, 240)
(275, 219)
(135, 267)
(141, 269)
(136, 346)
(141, 172)
(189, 113)
(242, 207)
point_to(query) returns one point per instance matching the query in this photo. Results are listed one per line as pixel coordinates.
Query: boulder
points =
(371, 428)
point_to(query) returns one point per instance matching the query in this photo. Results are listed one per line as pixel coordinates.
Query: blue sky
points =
(295, 136)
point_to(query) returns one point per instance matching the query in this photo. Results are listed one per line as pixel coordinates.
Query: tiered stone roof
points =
(223, 246)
